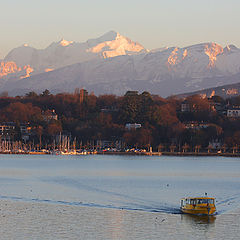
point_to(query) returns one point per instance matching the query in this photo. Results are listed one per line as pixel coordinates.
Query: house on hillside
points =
(7, 130)
(6, 127)
(132, 126)
(185, 106)
(26, 131)
(215, 144)
(49, 115)
(113, 145)
(195, 125)
(233, 112)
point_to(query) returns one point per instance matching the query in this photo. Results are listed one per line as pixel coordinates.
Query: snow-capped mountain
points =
(115, 64)
(64, 53)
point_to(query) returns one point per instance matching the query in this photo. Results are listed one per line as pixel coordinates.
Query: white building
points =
(233, 112)
(130, 126)
(185, 107)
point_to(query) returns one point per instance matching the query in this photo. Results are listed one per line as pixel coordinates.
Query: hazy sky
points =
(153, 23)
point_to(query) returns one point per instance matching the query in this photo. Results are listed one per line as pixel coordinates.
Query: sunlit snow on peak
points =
(228, 48)
(185, 53)
(212, 50)
(65, 43)
(172, 59)
(28, 69)
(8, 68)
(119, 45)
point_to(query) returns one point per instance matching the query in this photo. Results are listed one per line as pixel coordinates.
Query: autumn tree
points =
(164, 115)
(129, 108)
(20, 112)
(39, 131)
(53, 128)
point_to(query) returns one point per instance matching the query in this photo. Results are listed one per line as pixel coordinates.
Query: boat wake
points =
(145, 208)
(228, 204)
(223, 205)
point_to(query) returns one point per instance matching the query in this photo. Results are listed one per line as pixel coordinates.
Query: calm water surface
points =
(134, 197)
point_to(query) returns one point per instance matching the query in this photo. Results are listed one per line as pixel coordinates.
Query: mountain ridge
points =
(63, 53)
(115, 64)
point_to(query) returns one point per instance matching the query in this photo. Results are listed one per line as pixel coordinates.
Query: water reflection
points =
(196, 220)
(116, 228)
(203, 225)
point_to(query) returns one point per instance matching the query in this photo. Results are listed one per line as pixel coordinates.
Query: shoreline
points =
(179, 154)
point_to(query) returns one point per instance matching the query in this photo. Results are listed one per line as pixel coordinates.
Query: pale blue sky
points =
(153, 23)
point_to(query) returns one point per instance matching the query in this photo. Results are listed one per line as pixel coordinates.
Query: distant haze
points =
(153, 23)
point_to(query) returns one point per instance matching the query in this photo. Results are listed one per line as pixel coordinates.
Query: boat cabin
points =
(198, 205)
(196, 201)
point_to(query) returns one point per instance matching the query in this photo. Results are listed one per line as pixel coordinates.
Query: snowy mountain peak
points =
(64, 42)
(176, 55)
(63, 53)
(65, 65)
(115, 45)
(109, 36)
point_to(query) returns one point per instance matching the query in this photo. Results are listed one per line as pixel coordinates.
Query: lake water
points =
(116, 197)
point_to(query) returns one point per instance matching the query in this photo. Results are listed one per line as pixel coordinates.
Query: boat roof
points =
(198, 198)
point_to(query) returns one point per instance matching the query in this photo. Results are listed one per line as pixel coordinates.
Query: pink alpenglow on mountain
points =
(8, 68)
(115, 64)
(118, 46)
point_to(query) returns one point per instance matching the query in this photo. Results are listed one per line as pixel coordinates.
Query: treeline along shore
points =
(136, 123)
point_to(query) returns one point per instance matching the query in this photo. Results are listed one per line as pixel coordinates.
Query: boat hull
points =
(199, 210)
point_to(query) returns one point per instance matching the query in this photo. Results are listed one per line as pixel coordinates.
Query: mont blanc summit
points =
(64, 53)
(114, 64)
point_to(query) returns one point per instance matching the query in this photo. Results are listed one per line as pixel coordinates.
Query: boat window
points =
(201, 201)
(197, 201)
(211, 201)
(193, 201)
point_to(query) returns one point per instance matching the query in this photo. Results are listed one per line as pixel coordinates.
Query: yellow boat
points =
(198, 205)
